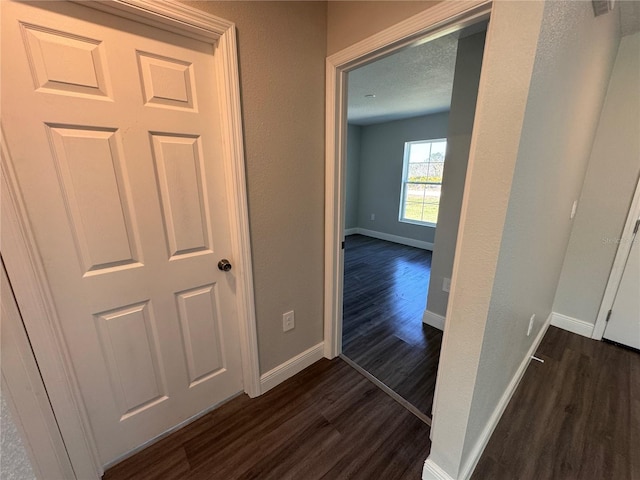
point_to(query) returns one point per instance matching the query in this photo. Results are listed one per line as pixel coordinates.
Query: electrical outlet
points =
(373, 217)
(574, 207)
(533, 317)
(288, 321)
(446, 284)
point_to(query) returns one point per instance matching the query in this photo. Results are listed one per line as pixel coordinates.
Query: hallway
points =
(574, 417)
(327, 422)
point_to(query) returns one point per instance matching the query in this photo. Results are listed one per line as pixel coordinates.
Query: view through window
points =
(422, 181)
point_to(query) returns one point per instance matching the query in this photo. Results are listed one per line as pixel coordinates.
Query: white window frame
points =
(405, 169)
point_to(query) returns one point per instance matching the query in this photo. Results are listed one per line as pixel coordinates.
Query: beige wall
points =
(282, 50)
(463, 107)
(349, 22)
(607, 192)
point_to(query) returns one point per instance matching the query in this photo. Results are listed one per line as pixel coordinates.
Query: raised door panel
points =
(199, 313)
(93, 182)
(167, 82)
(129, 345)
(65, 63)
(179, 172)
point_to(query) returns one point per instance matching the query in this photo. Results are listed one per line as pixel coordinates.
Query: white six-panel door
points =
(113, 130)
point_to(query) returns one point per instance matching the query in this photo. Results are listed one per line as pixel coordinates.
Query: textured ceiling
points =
(418, 80)
(414, 81)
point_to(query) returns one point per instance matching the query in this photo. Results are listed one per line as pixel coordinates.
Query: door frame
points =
(619, 263)
(26, 271)
(21, 379)
(437, 21)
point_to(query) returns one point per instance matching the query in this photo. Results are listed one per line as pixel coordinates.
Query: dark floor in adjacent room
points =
(385, 291)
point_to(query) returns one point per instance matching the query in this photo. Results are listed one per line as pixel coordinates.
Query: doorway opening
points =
(409, 120)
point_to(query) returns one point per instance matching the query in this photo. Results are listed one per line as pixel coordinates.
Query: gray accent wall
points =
(381, 157)
(573, 63)
(463, 107)
(354, 133)
(544, 77)
(608, 189)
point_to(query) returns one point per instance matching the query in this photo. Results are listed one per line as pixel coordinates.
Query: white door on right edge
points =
(624, 323)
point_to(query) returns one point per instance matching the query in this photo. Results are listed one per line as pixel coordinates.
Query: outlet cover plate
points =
(531, 320)
(288, 321)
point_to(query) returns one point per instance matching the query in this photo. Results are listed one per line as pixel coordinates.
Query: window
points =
(422, 181)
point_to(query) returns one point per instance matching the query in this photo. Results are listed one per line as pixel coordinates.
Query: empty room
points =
(407, 152)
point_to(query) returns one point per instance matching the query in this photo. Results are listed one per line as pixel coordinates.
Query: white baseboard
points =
(433, 319)
(392, 238)
(432, 471)
(571, 324)
(480, 445)
(292, 366)
(350, 231)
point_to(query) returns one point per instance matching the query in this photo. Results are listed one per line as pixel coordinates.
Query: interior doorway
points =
(409, 121)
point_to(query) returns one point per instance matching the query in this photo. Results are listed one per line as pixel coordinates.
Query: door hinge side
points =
(608, 315)
(343, 245)
(635, 229)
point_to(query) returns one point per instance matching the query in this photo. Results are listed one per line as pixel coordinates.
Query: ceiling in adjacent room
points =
(413, 81)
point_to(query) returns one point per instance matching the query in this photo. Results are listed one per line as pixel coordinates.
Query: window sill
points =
(418, 223)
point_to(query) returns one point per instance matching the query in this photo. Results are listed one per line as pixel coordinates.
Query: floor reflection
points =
(385, 291)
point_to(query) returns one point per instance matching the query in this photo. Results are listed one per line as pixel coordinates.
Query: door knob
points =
(224, 265)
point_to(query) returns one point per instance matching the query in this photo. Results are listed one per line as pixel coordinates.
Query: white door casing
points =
(432, 23)
(623, 325)
(24, 392)
(116, 139)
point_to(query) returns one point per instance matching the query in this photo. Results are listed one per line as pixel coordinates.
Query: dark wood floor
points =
(385, 291)
(328, 422)
(574, 417)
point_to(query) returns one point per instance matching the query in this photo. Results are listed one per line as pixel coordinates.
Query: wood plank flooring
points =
(574, 417)
(328, 422)
(385, 291)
